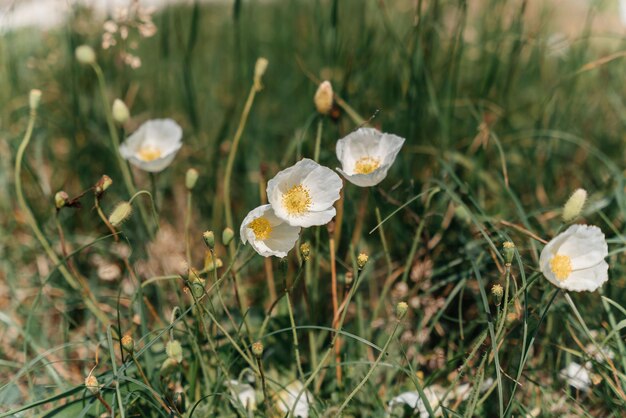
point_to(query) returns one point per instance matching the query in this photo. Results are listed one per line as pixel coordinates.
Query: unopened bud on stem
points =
(34, 98)
(191, 177)
(120, 111)
(60, 199)
(227, 236)
(323, 98)
(85, 54)
(209, 239)
(401, 310)
(257, 349)
(574, 205)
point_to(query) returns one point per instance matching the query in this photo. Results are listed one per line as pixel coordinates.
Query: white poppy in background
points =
(284, 400)
(366, 155)
(303, 194)
(154, 145)
(577, 376)
(574, 259)
(412, 399)
(268, 234)
(244, 393)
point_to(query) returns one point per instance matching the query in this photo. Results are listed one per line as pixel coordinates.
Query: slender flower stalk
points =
(256, 87)
(115, 143)
(32, 222)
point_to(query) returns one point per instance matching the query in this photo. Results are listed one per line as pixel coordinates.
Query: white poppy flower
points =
(285, 399)
(574, 259)
(303, 194)
(154, 145)
(416, 404)
(577, 376)
(268, 234)
(366, 155)
(244, 393)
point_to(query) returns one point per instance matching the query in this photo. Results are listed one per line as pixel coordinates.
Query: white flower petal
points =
(286, 398)
(588, 280)
(324, 186)
(282, 237)
(162, 135)
(320, 183)
(367, 143)
(577, 376)
(586, 248)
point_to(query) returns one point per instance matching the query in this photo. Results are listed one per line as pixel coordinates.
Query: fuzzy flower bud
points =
(91, 383)
(227, 236)
(174, 350)
(361, 260)
(128, 343)
(191, 177)
(121, 212)
(85, 54)
(305, 251)
(209, 238)
(104, 183)
(323, 98)
(574, 205)
(497, 291)
(34, 98)
(60, 199)
(259, 70)
(401, 309)
(120, 111)
(508, 251)
(257, 349)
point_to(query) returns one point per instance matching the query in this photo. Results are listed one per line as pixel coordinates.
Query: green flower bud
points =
(401, 310)
(574, 205)
(85, 54)
(497, 291)
(128, 343)
(209, 238)
(120, 111)
(174, 350)
(508, 251)
(91, 383)
(257, 349)
(121, 212)
(191, 178)
(61, 199)
(34, 98)
(227, 236)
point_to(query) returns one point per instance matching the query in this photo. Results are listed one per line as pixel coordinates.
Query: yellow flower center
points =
(561, 266)
(149, 153)
(261, 228)
(366, 165)
(297, 200)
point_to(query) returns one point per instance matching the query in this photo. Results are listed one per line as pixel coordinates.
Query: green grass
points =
(501, 127)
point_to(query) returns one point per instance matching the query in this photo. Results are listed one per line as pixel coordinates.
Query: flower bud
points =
(323, 98)
(34, 98)
(257, 349)
(121, 212)
(401, 309)
(85, 54)
(196, 283)
(259, 69)
(349, 278)
(128, 343)
(361, 260)
(191, 177)
(174, 350)
(91, 383)
(305, 251)
(227, 236)
(574, 205)
(508, 251)
(61, 199)
(120, 111)
(104, 183)
(209, 238)
(497, 291)
(211, 263)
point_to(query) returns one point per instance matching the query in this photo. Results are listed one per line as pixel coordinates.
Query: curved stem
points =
(32, 222)
(370, 371)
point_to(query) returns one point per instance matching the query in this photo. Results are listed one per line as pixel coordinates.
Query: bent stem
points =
(32, 222)
(115, 142)
(370, 371)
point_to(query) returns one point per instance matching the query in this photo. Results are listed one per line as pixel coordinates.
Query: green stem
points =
(295, 334)
(318, 140)
(115, 142)
(370, 371)
(30, 219)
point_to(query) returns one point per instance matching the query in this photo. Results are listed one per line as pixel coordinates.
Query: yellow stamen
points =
(149, 153)
(561, 266)
(297, 200)
(261, 228)
(366, 165)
